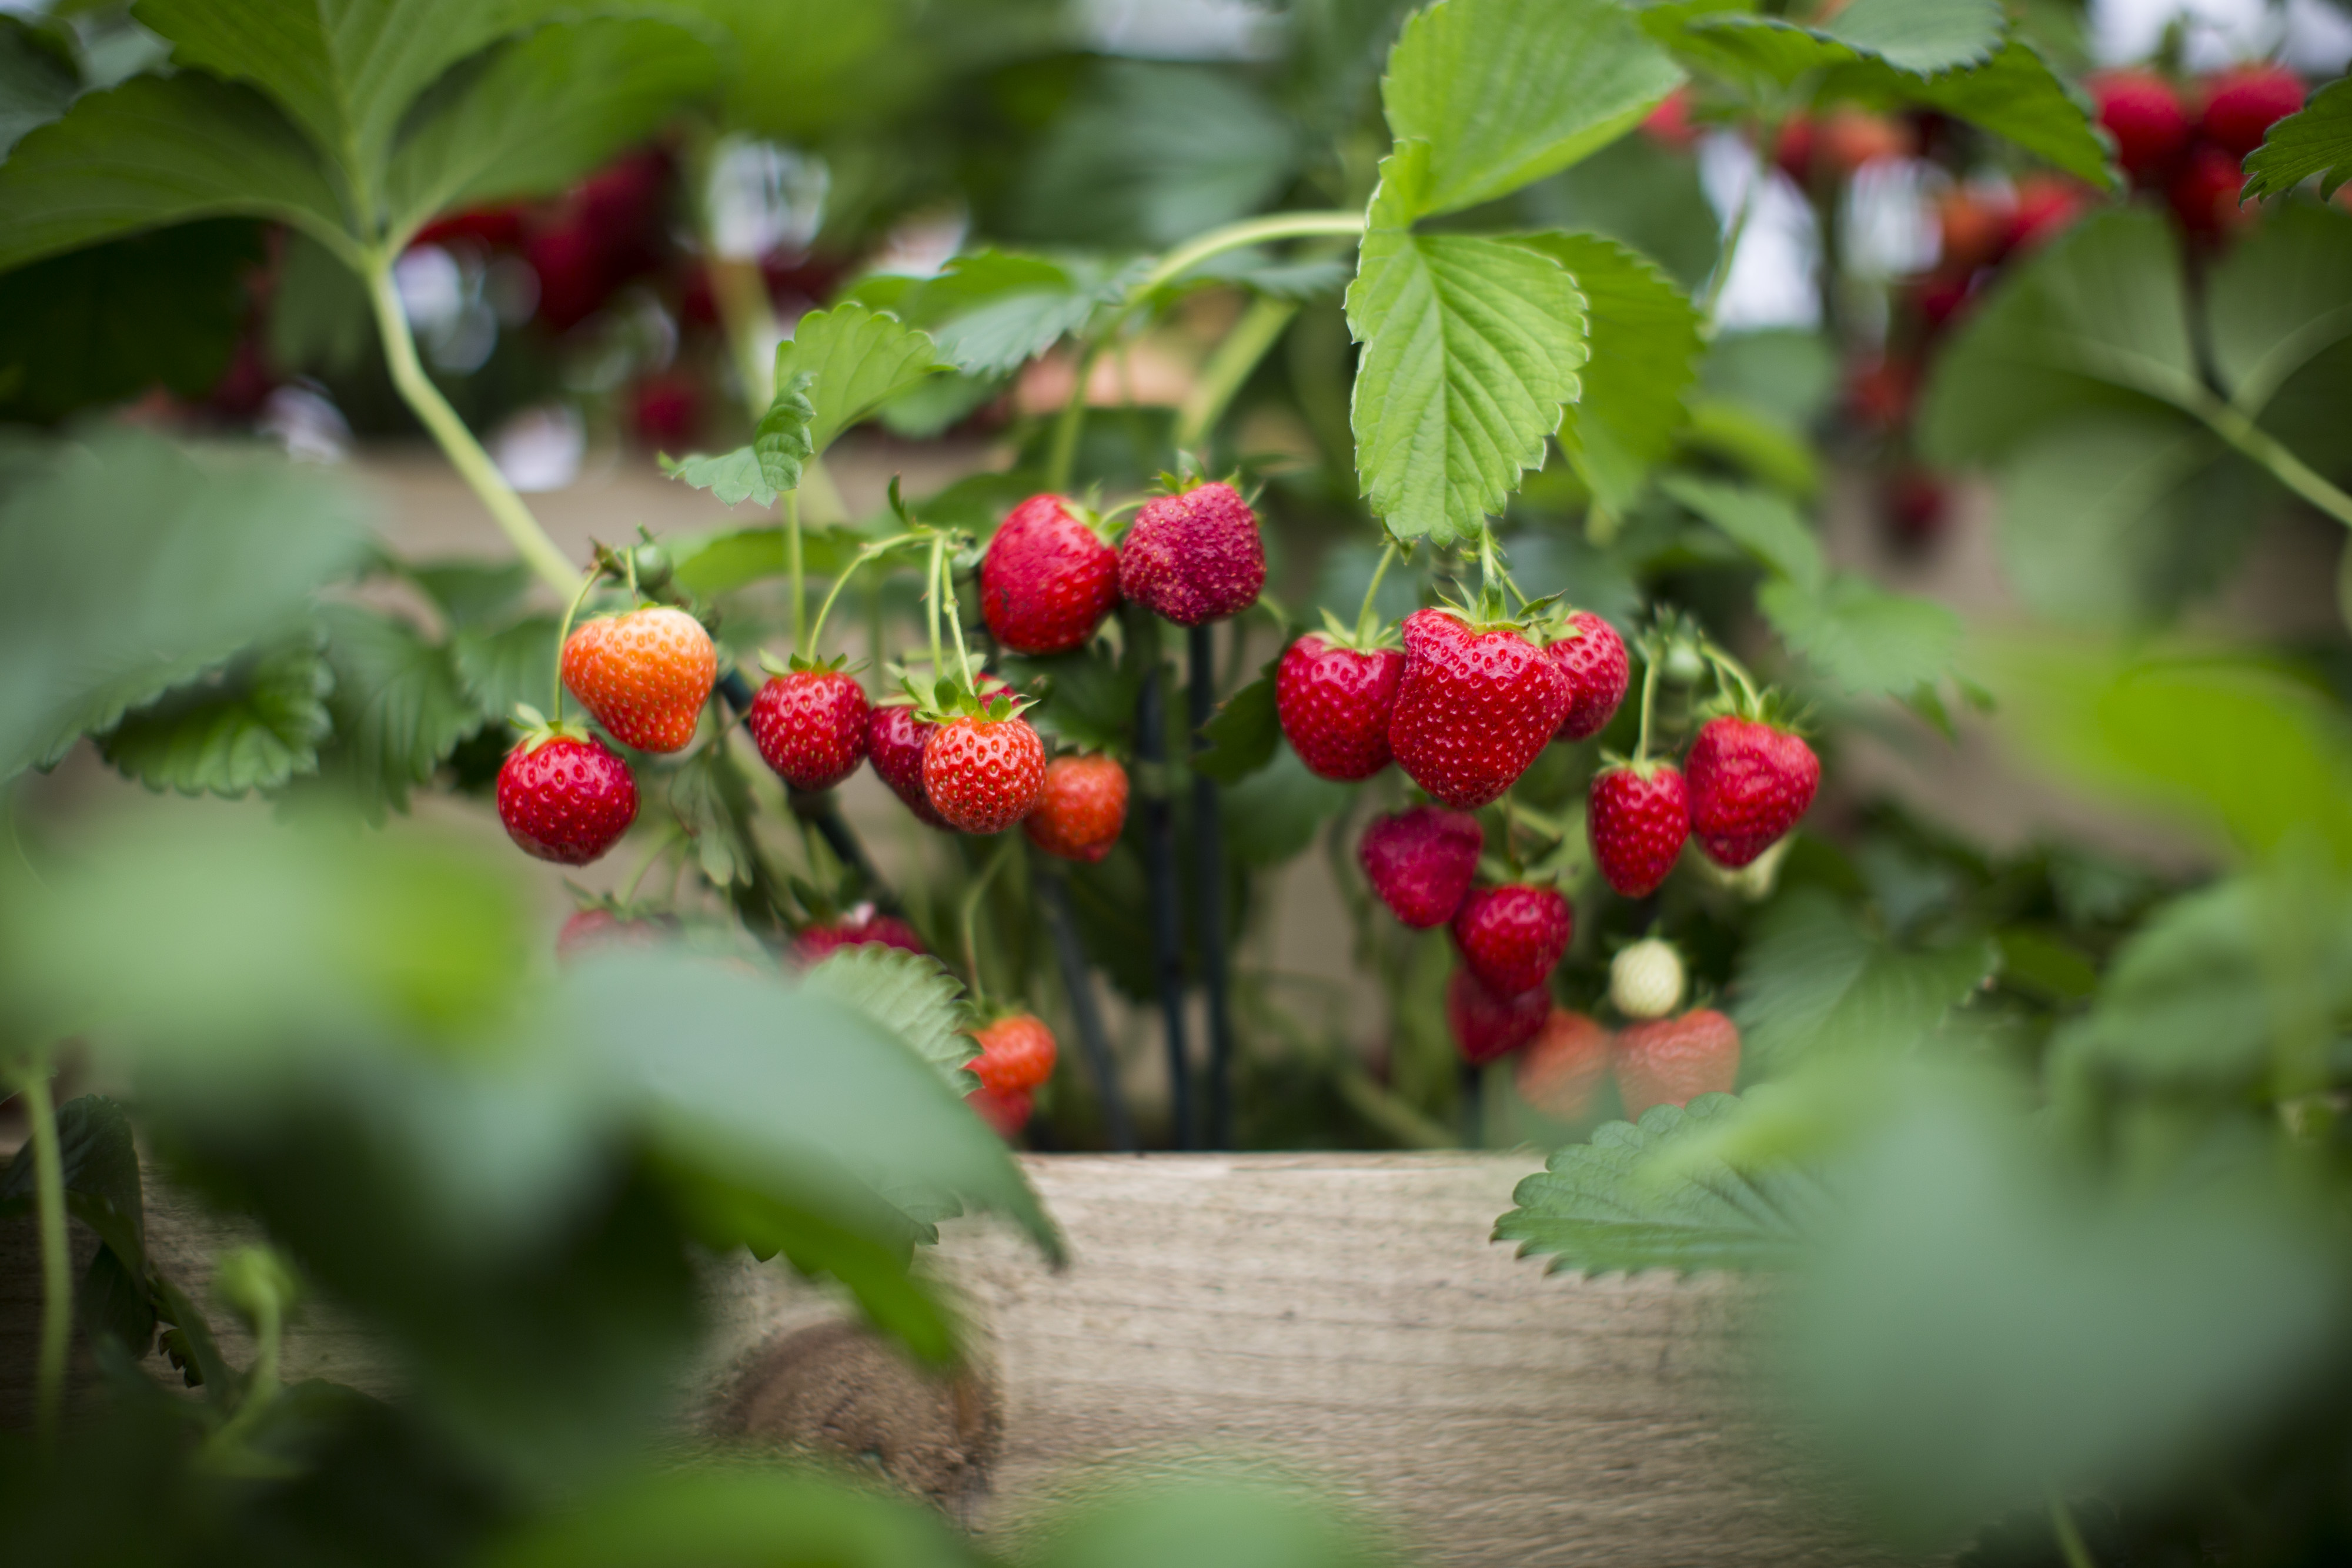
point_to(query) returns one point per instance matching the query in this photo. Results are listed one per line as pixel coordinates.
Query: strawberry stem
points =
(971, 896)
(563, 636)
(932, 604)
(871, 552)
(1062, 455)
(792, 565)
(1372, 592)
(1649, 699)
(57, 1262)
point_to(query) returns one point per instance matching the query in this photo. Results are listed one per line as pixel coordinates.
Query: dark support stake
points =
(1209, 865)
(1167, 907)
(1054, 893)
(1473, 1107)
(819, 811)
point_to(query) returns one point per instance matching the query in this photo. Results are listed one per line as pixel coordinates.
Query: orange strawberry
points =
(645, 675)
(1079, 816)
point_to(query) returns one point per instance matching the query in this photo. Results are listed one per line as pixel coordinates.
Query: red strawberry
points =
(858, 928)
(2205, 193)
(984, 774)
(1047, 579)
(2143, 113)
(1016, 1054)
(1750, 782)
(565, 797)
(1637, 821)
(589, 929)
(1083, 806)
(1486, 1026)
(1194, 557)
(1006, 1114)
(1592, 656)
(1334, 703)
(1669, 125)
(2242, 105)
(645, 675)
(1559, 1073)
(1512, 937)
(1473, 708)
(1672, 1061)
(2047, 206)
(1420, 862)
(810, 726)
(894, 744)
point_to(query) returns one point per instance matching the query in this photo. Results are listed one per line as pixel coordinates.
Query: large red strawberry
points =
(1672, 1061)
(1474, 707)
(1592, 656)
(1750, 782)
(1016, 1054)
(565, 796)
(1559, 1072)
(1047, 579)
(1334, 703)
(1083, 806)
(2145, 115)
(894, 744)
(1513, 938)
(2242, 105)
(984, 774)
(1420, 862)
(810, 726)
(645, 675)
(1194, 557)
(859, 928)
(1486, 1026)
(1637, 820)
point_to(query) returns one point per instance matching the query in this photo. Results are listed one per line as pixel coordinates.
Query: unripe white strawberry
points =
(1645, 980)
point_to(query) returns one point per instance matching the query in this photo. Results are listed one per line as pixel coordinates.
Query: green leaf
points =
(1088, 699)
(2278, 300)
(1505, 92)
(2315, 141)
(1271, 815)
(1471, 348)
(255, 725)
(1644, 195)
(320, 320)
(1628, 1200)
(785, 440)
(911, 995)
(1923, 36)
(98, 1160)
(1764, 525)
(733, 477)
(1765, 449)
(1244, 732)
(1863, 639)
(1814, 980)
(2014, 95)
(37, 79)
(994, 311)
(398, 706)
(500, 669)
(472, 595)
(721, 562)
(709, 800)
(856, 359)
(734, 1513)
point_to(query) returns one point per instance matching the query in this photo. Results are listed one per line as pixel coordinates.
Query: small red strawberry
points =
(599, 926)
(645, 675)
(810, 726)
(1672, 1061)
(2205, 193)
(894, 744)
(860, 927)
(1592, 656)
(1513, 938)
(1016, 1054)
(2242, 105)
(1194, 557)
(1637, 820)
(2144, 114)
(984, 774)
(1005, 1115)
(1477, 704)
(1750, 782)
(1486, 1026)
(1559, 1073)
(1047, 579)
(1334, 703)
(565, 796)
(1083, 808)
(2047, 205)
(1420, 862)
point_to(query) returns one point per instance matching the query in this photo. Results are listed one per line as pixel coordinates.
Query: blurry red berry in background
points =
(2145, 115)
(571, 277)
(1975, 225)
(245, 386)
(1849, 139)
(1879, 394)
(605, 231)
(2242, 105)
(2047, 205)
(2204, 194)
(666, 410)
(1793, 152)
(697, 306)
(1669, 124)
(799, 276)
(492, 228)
(1941, 297)
(1915, 505)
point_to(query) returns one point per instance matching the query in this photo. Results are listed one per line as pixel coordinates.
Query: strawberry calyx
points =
(1488, 611)
(538, 729)
(1642, 767)
(951, 698)
(801, 664)
(1364, 637)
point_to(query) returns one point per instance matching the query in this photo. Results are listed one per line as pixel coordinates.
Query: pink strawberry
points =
(894, 744)
(2242, 105)
(645, 675)
(1334, 704)
(1486, 1026)
(810, 726)
(984, 774)
(1194, 557)
(566, 798)
(1672, 1061)
(1047, 579)
(1559, 1073)
(1593, 658)
(1637, 820)
(1420, 862)
(1513, 938)
(1474, 707)
(1749, 783)
(1082, 809)
(860, 927)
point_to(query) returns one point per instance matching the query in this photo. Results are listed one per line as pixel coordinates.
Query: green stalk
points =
(1649, 696)
(2252, 441)
(1062, 455)
(2070, 1539)
(1248, 232)
(932, 604)
(871, 552)
(1372, 590)
(793, 568)
(563, 636)
(457, 442)
(1252, 338)
(56, 1263)
(1768, 139)
(1005, 848)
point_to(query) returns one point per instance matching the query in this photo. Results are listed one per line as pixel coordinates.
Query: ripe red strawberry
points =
(1672, 1061)
(2144, 114)
(645, 675)
(1334, 703)
(1750, 782)
(860, 927)
(894, 744)
(1083, 806)
(984, 774)
(1420, 862)
(1006, 1114)
(1047, 579)
(810, 726)
(1637, 821)
(1513, 938)
(1486, 1026)
(1559, 1072)
(565, 797)
(1474, 707)
(1592, 656)
(2047, 205)
(2242, 105)
(1016, 1054)
(1194, 557)
(2205, 193)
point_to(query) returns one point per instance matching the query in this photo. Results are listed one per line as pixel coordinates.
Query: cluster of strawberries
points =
(2190, 140)
(1662, 1057)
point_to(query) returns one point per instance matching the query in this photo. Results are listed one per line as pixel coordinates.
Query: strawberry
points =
(2047, 205)
(2205, 194)
(598, 926)
(984, 774)
(1637, 820)
(1672, 1061)
(810, 726)
(1334, 703)
(1016, 1054)
(1474, 707)
(1083, 806)
(645, 675)
(2242, 105)
(1592, 656)
(1047, 579)
(1750, 782)
(1194, 557)
(1486, 1026)
(1559, 1072)
(2144, 114)
(1006, 1114)
(894, 744)
(1645, 980)
(565, 796)
(1849, 138)
(1420, 862)
(860, 927)
(1512, 937)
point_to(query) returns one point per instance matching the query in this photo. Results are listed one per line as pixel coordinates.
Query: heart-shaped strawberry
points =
(1749, 783)
(1474, 707)
(645, 675)
(1334, 704)
(1592, 656)
(1420, 862)
(810, 726)
(1512, 937)
(1638, 819)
